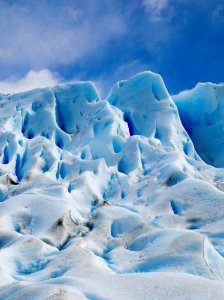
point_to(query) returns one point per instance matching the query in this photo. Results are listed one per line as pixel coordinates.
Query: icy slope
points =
(106, 199)
(201, 111)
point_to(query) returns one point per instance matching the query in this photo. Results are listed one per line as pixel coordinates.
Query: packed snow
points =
(115, 198)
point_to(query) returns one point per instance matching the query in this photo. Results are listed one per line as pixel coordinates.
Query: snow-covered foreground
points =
(108, 199)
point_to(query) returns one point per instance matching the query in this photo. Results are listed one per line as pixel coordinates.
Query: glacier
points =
(201, 112)
(119, 198)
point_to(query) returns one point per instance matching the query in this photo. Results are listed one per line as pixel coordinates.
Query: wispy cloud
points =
(218, 14)
(155, 8)
(43, 78)
(46, 34)
(109, 40)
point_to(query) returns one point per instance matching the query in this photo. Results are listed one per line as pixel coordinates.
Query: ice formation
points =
(201, 112)
(108, 199)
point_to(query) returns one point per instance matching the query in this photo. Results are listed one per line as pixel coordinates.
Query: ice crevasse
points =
(115, 198)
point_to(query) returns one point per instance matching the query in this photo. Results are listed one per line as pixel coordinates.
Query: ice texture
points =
(201, 111)
(112, 199)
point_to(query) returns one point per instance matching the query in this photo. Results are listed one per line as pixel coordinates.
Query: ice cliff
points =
(201, 111)
(120, 198)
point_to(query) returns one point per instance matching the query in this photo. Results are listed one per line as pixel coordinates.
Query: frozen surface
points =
(108, 199)
(201, 111)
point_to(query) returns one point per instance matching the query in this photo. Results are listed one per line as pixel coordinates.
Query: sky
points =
(43, 43)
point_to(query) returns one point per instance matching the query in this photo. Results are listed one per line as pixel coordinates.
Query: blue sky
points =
(45, 42)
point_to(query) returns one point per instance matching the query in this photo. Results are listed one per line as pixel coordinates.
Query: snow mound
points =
(108, 199)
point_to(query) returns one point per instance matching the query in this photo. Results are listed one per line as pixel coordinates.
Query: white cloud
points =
(33, 79)
(40, 34)
(155, 8)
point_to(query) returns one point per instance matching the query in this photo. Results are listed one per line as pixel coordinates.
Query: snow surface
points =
(108, 199)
